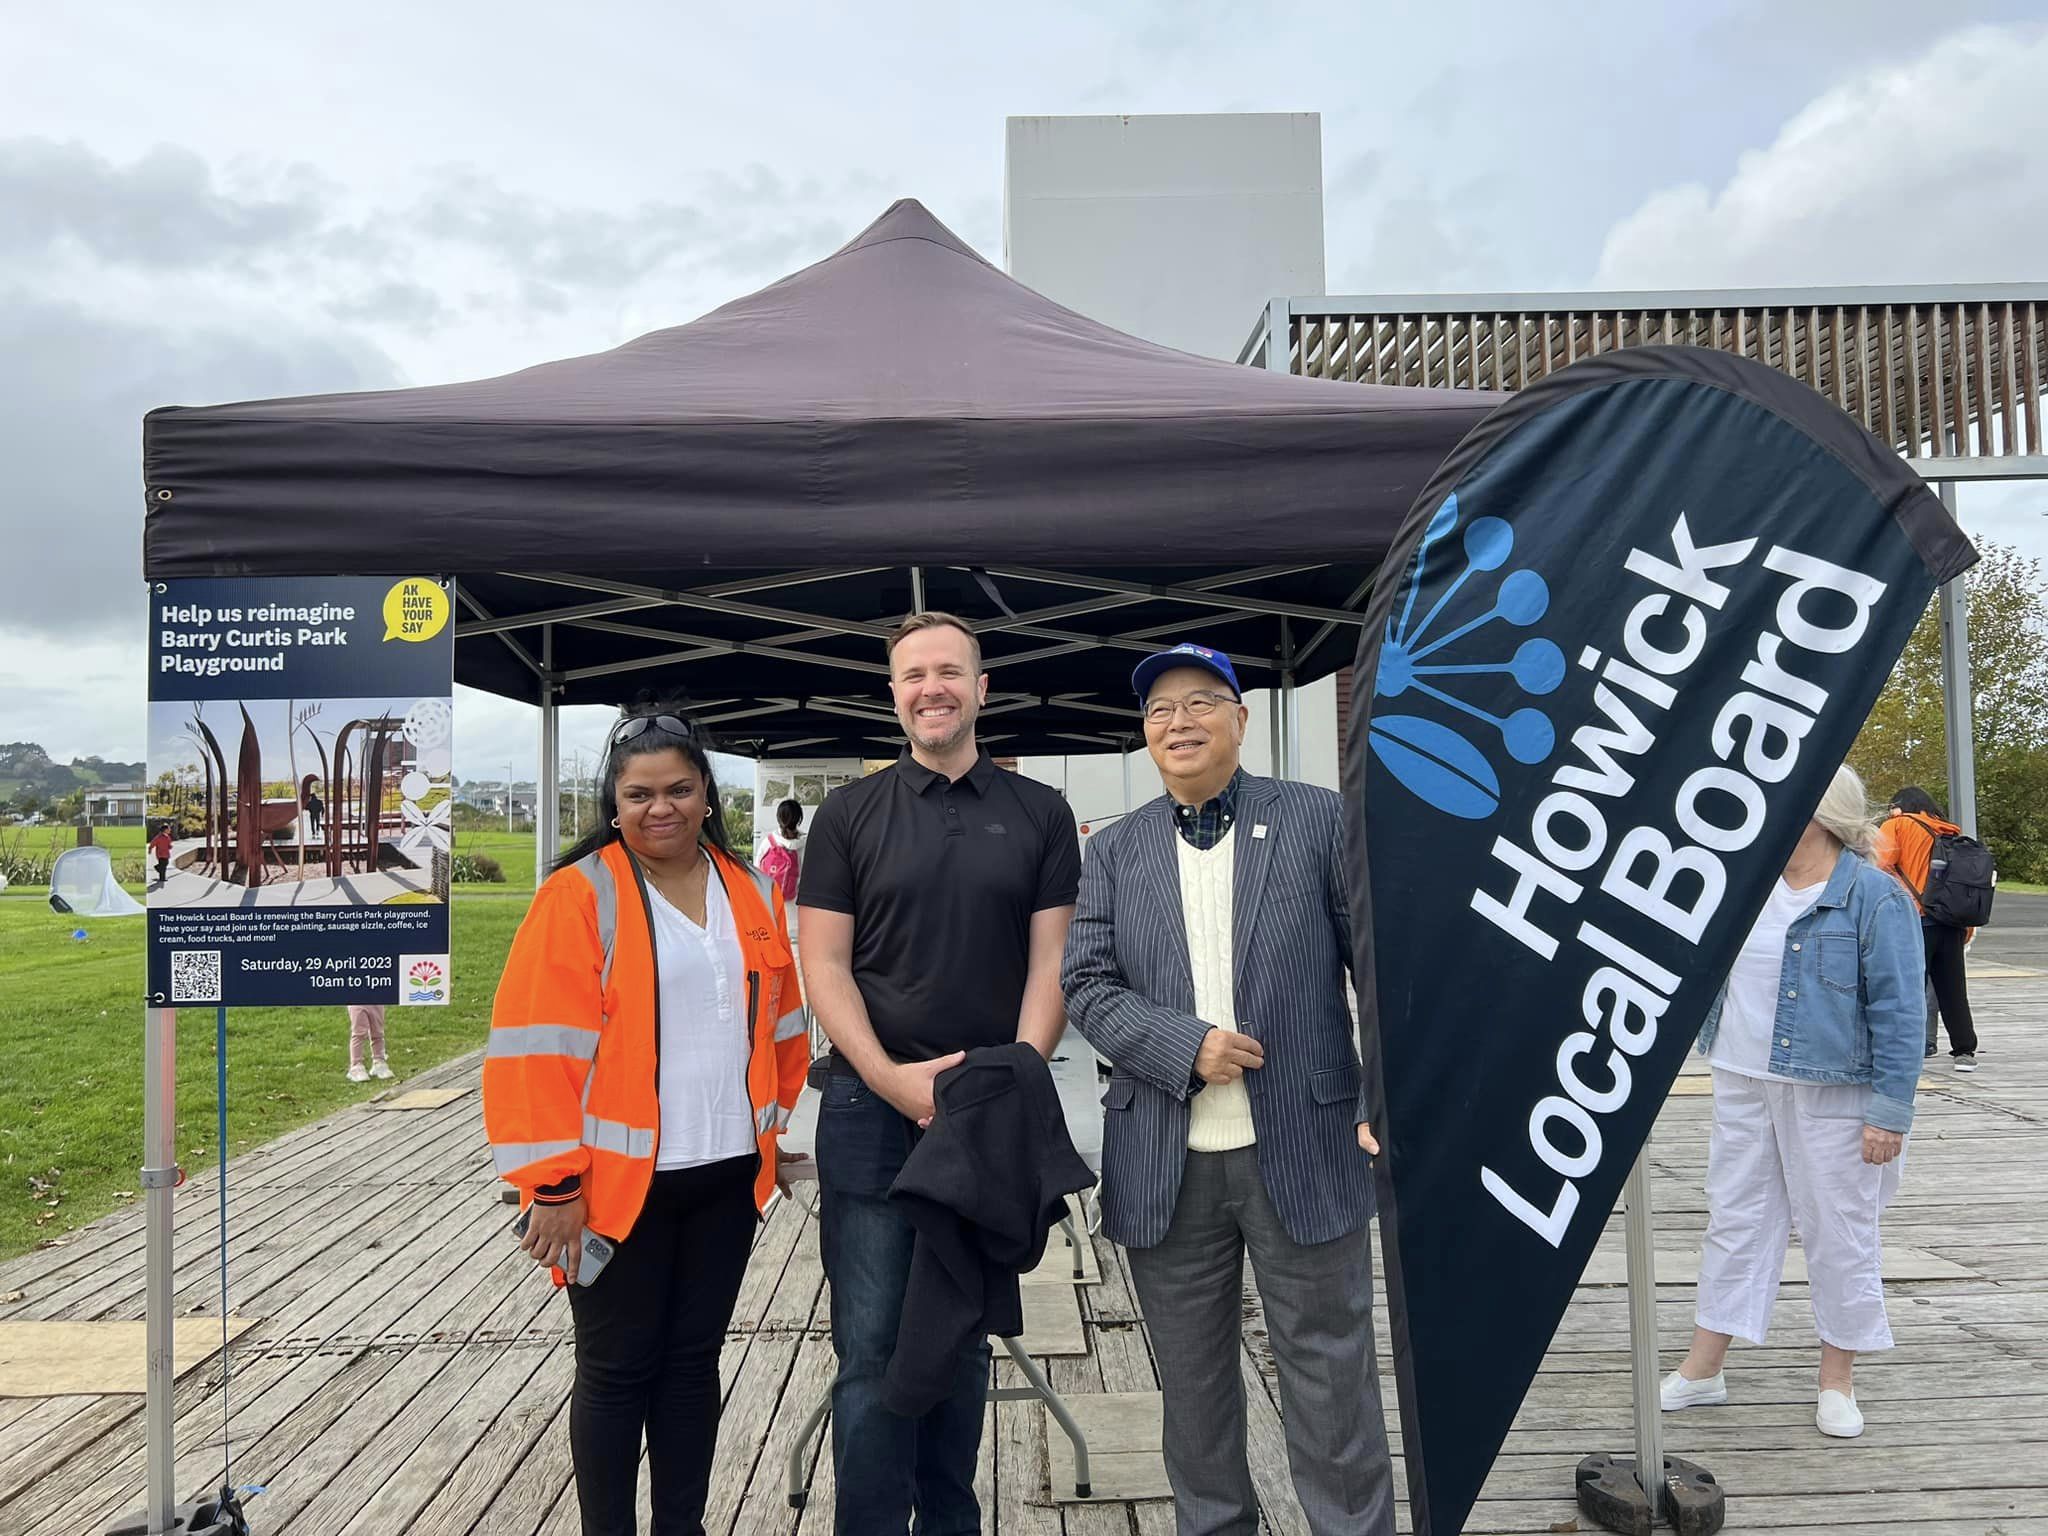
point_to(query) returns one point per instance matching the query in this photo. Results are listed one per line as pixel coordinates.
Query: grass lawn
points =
(71, 1057)
(514, 850)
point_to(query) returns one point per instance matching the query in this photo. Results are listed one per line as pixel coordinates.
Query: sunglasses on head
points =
(632, 726)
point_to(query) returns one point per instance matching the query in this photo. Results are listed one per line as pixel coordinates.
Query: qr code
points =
(195, 975)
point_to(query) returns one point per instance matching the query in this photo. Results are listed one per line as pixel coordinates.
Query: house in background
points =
(116, 805)
(490, 796)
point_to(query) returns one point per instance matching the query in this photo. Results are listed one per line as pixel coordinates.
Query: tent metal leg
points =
(160, 1177)
(1074, 1246)
(1957, 693)
(1290, 726)
(795, 1485)
(917, 589)
(547, 808)
(1041, 1388)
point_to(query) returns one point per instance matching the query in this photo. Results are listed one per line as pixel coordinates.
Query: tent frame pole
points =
(1290, 724)
(1289, 713)
(1957, 692)
(917, 589)
(547, 813)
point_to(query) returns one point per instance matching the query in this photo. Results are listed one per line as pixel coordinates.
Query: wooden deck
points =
(408, 1370)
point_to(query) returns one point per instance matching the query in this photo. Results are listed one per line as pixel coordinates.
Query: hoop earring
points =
(615, 821)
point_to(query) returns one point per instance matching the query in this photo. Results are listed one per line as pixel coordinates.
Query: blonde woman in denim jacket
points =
(1816, 1042)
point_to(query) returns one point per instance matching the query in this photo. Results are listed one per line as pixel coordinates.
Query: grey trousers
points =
(1318, 1302)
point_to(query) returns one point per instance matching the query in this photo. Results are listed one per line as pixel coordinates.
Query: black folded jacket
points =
(983, 1187)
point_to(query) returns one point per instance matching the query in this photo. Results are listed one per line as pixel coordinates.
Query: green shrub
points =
(25, 860)
(477, 869)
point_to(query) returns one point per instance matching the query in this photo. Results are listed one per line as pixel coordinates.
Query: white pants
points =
(1785, 1153)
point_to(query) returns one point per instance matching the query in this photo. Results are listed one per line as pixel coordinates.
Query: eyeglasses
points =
(632, 726)
(1200, 705)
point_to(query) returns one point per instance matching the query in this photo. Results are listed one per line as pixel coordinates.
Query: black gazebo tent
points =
(741, 506)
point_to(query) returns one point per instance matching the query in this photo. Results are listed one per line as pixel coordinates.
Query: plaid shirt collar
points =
(1202, 826)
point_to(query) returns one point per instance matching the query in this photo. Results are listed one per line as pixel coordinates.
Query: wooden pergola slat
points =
(1934, 372)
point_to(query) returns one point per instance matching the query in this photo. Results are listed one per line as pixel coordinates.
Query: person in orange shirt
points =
(1905, 844)
(646, 1049)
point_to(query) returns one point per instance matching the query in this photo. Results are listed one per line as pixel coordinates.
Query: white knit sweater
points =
(1220, 1116)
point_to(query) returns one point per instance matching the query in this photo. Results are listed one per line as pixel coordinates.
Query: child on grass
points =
(366, 1029)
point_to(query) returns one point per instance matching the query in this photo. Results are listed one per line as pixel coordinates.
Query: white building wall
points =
(1174, 228)
(1177, 229)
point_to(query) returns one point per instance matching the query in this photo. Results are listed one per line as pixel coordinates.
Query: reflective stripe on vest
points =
(599, 874)
(765, 1118)
(542, 1040)
(617, 1136)
(790, 1025)
(510, 1156)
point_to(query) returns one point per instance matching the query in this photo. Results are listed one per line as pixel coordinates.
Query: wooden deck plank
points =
(477, 1477)
(537, 1485)
(394, 1492)
(318, 1491)
(1021, 1495)
(274, 1389)
(88, 1488)
(1072, 1376)
(763, 1507)
(747, 1424)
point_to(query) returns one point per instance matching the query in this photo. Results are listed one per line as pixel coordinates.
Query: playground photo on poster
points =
(278, 802)
(301, 773)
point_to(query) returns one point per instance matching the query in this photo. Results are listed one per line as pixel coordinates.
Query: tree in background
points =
(1905, 740)
(738, 805)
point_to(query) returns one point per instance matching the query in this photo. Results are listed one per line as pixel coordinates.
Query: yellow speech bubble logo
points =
(415, 609)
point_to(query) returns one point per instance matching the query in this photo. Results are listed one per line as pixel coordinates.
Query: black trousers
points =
(1951, 993)
(648, 1336)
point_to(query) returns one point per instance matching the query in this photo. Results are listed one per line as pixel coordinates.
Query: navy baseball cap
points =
(1186, 654)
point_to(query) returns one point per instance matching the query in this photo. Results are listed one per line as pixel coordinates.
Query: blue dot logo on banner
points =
(1429, 659)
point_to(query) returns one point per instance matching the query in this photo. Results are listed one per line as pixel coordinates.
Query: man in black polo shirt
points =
(934, 903)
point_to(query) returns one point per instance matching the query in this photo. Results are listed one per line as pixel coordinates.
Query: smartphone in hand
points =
(597, 1250)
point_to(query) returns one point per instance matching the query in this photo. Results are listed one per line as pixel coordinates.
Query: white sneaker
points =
(357, 1074)
(1680, 1392)
(1838, 1415)
(380, 1068)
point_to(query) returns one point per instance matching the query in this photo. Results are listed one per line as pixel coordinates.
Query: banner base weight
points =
(217, 1515)
(1694, 1503)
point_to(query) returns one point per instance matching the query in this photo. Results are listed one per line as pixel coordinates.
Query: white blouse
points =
(1749, 1010)
(706, 1115)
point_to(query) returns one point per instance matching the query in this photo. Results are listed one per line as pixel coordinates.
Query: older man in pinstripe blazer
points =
(1207, 960)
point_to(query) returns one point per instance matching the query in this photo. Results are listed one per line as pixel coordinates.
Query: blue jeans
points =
(886, 1465)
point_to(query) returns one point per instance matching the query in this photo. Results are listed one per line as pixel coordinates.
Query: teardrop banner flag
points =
(1641, 613)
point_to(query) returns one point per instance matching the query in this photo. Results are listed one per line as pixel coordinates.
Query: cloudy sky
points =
(242, 201)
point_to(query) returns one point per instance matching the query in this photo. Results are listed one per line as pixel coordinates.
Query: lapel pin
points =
(1259, 830)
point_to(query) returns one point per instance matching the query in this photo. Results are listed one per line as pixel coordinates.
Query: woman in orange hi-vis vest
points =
(646, 1048)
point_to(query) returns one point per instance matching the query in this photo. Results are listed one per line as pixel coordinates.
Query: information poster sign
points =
(300, 791)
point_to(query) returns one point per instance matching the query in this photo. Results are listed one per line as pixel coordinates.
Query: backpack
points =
(780, 865)
(1960, 881)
